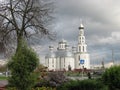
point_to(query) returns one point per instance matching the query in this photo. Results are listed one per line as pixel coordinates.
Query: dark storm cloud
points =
(100, 18)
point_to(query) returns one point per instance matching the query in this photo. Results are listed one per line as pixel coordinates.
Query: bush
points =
(41, 71)
(83, 85)
(53, 79)
(111, 77)
(10, 88)
(22, 65)
(38, 88)
(44, 88)
(3, 68)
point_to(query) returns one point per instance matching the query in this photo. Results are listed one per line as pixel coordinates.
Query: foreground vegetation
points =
(22, 66)
(90, 84)
(3, 78)
(110, 80)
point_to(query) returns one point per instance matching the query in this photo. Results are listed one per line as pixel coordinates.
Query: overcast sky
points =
(101, 19)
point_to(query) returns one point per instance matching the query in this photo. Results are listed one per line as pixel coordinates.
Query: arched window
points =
(48, 62)
(79, 58)
(83, 48)
(52, 62)
(81, 32)
(64, 62)
(80, 48)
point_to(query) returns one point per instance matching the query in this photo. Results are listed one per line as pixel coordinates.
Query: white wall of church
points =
(63, 62)
(84, 57)
(51, 63)
(70, 61)
(60, 63)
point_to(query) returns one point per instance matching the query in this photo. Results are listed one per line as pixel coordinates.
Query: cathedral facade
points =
(65, 58)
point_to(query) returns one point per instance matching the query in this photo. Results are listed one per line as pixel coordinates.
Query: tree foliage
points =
(3, 68)
(90, 84)
(22, 65)
(111, 77)
(22, 19)
(52, 79)
(40, 71)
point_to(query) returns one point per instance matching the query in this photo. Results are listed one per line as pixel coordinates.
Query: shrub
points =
(53, 79)
(10, 88)
(3, 68)
(44, 88)
(38, 88)
(83, 85)
(111, 77)
(41, 71)
(22, 65)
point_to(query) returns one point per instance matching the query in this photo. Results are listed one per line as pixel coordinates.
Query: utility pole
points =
(113, 56)
(102, 64)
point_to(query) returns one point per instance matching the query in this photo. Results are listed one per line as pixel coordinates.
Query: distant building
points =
(69, 59)
(3, 62)
(106, 65)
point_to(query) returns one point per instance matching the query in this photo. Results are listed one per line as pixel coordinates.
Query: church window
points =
(53, 62)
(78, 58)
(80, 48)
(83, 38)
(83, 48)
(48, 62)
(62, 45)
(80, 38)
(64, 62)
(81, 32)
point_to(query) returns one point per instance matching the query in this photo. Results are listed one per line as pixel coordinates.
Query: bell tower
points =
(82, 47)
(82, 57)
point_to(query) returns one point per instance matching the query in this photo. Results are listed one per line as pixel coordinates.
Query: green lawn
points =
(3, 78)
(74, 74)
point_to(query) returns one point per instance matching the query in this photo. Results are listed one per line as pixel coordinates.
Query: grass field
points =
(3, 78)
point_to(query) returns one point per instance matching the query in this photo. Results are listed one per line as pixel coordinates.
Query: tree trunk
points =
(19, 43)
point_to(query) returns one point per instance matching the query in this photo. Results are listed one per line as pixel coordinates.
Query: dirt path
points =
(3, 83)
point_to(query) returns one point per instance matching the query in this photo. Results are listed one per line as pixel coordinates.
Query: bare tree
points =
(22, 19)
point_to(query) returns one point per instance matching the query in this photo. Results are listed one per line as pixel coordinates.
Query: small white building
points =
(69, 59)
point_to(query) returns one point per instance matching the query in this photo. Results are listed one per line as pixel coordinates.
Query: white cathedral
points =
(69, 59)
